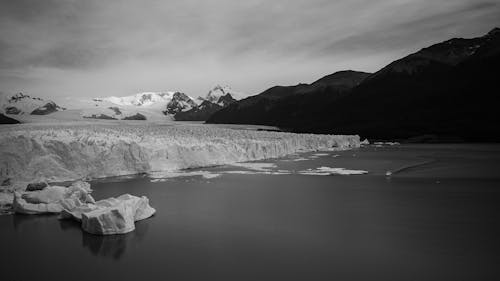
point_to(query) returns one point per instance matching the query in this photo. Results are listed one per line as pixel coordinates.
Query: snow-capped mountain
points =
(180, 102)
(21, 104)
(145, 99)
(217, 98)
(215, 95)
(141, 106)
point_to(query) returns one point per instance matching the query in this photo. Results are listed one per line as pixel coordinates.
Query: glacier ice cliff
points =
(71, 151)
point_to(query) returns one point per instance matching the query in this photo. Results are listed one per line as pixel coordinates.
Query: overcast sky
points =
(75, 48)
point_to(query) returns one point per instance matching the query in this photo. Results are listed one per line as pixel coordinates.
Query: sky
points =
(67, 49)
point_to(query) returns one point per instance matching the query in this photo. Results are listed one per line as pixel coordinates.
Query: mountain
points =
(22, 104)
(215, 94)
(180, 102)
(141, 106)
(7, 120)
(216, 99)
(447, 91)
(200, 113)
(288, 105)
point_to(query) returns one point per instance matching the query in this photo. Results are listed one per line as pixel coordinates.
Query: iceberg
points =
(78, 150)
(104, 217)
(50, 199)
(109, 216)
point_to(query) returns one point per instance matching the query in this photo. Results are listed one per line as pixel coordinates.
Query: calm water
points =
(436, 221)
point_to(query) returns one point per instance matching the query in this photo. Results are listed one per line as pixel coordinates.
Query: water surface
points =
(438, 218)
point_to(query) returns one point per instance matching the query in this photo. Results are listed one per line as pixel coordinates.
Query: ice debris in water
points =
(50, 199)
(109, 216)
(161, 176)
(254, 166)
(104, 217)
(300, 159)
(326, 171)
(380, 144)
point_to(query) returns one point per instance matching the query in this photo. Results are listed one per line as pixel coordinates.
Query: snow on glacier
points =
(77, 150)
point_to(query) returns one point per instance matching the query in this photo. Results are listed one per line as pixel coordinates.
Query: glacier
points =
(78, 150)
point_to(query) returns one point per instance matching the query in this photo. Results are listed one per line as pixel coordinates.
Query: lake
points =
(436, 217)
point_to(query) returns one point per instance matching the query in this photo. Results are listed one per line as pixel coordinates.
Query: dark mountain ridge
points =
(206, 109)
(7, 120)
(447, 90)
(284, 105)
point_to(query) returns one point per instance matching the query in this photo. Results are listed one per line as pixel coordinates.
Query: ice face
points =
(73, 151)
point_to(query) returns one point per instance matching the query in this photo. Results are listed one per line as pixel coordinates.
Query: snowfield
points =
(78, 150)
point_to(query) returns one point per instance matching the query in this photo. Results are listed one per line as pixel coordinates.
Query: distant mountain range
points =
(141, 106)
(216, 99)
(174, 105)
(21, 104)
(154, 106)
(446, 92)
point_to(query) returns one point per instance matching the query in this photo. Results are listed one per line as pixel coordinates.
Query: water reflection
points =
(21, 221)
(108, 246)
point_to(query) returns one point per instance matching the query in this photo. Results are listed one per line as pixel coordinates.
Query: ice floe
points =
(109, 216)
(254, 166)
(321, 154)
(161, 176)
(326, 171)
(300, 159)
(50, 199)
(388, 143)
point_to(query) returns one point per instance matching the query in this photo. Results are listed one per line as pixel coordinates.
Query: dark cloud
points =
(427, 27)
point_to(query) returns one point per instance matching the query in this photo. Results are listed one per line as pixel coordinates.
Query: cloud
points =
(76, 48)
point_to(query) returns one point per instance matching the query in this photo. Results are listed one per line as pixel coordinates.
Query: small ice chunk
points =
(255, 166)
(325, 171)
(299, 159)
(181, 173)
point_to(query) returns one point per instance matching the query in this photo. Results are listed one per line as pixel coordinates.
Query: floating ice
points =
(108, 216)
(50, 199)
(260, 167)
(379, 143)
(299, 159)
(161, 176)
(326, 171)
(278, 172)
(321, 154)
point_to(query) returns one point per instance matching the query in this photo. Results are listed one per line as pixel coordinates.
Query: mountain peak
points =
(20, 103)
(142, 99)
(218, 91)
(494, 32)
(348, 78)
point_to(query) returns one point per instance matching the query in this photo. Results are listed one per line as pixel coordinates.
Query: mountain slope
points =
(216, 99)
(446, 90)
(22, 104)
(7, 120)
(441, 90)
(142, 106)
(215, 94)
(286, 105)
